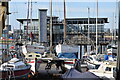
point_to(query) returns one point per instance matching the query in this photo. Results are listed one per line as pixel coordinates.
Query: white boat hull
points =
(92, 66)
(33, 48)
(34, 65)
(14, 68)
(103, 74)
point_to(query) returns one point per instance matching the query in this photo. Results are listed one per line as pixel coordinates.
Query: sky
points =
(74, 9)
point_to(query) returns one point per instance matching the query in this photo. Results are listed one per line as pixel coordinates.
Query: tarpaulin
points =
(67, 55)
(73, 74)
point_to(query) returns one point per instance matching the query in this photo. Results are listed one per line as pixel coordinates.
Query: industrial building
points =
(76, 28)
(78, 31)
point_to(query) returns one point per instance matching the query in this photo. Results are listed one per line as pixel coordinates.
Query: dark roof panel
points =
(85, 20)
(76, 20)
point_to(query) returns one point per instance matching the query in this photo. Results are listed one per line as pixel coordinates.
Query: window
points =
(9, 66)
(91, 58)
(97, 66)
(108, 69)
(114, 69)
(114, 47)
(61, 26)
(37, 55)
(30, 56)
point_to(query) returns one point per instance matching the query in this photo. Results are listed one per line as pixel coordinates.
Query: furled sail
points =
(2, 18)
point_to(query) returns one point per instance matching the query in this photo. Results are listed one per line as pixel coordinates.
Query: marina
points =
(38, 44)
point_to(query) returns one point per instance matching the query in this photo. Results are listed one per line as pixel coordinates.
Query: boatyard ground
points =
(52, 74)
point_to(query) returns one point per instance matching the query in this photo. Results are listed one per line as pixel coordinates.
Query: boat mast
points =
(20, 33)
(27, 18)
(31, 35)
(96, 27)
(88, 28)
(64, 22)
(88, 24)
(115, 22)
(113, 30)
(31, 13)
(51, 28)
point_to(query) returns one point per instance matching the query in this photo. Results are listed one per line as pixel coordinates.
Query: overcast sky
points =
(74, 8)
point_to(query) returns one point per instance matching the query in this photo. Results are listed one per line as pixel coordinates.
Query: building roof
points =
(85, 20)
(75, 20)
(24, 19)
(21, 20)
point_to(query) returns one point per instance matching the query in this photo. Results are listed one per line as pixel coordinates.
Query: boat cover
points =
(73, 74)
(67, 55)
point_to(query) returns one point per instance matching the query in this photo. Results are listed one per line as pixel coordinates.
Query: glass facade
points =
(73, 28)
(100, 28)
(32, 27)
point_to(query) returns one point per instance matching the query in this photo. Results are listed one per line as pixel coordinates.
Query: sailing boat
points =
(112, 47)
(13, 67)
(68, 53)
(105, 70)
(33, 52)
(94, 60)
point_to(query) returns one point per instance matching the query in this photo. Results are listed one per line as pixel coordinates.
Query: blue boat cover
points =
(105, 57)
(67, 55)
(73, 74)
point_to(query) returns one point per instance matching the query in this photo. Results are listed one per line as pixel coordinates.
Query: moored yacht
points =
(105, 70)
(68, 53)
(33, 48)
(34, 59)
(94, 61)
(14, 69)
